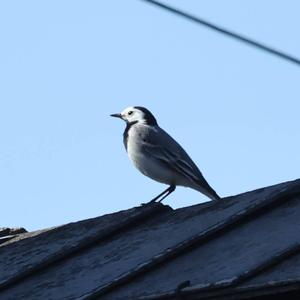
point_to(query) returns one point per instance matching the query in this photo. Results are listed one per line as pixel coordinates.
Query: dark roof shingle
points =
(150, 250)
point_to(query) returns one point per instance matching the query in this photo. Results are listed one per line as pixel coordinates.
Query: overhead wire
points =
(226, 32)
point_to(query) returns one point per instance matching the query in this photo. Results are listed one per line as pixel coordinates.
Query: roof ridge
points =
(145, 211)
(271, 201)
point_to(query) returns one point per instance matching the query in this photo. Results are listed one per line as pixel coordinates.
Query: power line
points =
(226, 32)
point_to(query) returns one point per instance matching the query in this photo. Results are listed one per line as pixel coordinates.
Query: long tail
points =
(212, 195)
(204, 188)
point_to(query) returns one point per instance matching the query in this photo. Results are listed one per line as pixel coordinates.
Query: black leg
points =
(165, 193)
(171, 189)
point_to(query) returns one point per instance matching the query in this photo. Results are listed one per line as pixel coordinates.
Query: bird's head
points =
(136, 114)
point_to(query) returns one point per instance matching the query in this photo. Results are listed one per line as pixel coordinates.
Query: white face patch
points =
(131, 114)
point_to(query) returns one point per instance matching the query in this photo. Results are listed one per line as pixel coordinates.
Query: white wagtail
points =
(157, 155)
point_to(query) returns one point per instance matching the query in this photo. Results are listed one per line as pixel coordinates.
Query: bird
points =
(158, 156)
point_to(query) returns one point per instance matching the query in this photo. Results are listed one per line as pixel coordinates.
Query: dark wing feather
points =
(160, 145)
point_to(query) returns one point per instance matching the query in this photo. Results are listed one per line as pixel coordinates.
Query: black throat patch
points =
(125, 133)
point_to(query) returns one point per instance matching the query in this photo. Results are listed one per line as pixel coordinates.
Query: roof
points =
(9, 233)
(243, 244)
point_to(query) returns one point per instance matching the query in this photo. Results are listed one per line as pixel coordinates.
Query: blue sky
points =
(67, 65)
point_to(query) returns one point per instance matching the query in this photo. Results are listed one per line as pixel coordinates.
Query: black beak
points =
(116, 115)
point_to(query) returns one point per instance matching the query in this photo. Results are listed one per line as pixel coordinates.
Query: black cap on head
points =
(149, 118)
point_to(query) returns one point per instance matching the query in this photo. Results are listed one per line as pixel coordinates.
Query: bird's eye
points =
(130, 113)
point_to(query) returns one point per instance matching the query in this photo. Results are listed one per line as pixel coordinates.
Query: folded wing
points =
(161, 146)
